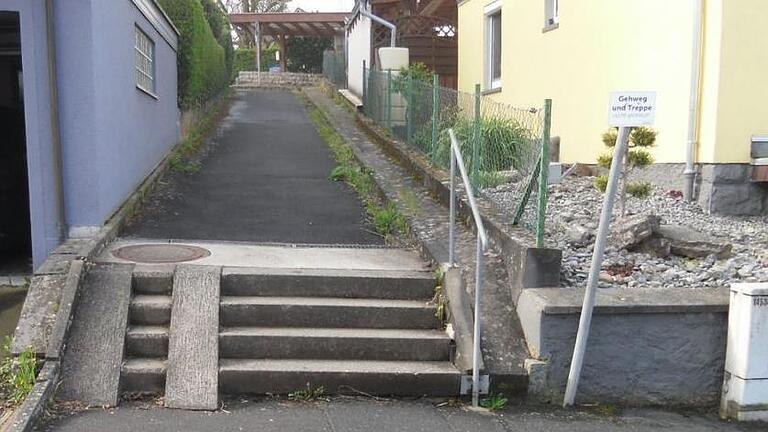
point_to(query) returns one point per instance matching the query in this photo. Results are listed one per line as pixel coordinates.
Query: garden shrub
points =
(202, 61)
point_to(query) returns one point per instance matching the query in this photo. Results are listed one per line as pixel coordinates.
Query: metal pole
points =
(597, 260)
(544, 173)
(365, 90)
(476, 339)
(389, 99)
(476, 137)
(452, 209)
(258, 53)
(409, 112)
(435, 110)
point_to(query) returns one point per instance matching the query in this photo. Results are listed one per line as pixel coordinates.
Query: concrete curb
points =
(25, 418)
(530, 267)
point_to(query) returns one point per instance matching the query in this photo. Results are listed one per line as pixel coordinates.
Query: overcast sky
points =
(322, 5)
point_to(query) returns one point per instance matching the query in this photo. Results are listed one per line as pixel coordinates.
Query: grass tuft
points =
(17, 375)
(309, 394)
(495, 402)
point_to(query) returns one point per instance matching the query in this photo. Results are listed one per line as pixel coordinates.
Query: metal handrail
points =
(482, 246)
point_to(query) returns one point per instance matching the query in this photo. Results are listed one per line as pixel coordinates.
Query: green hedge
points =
(245, 59)
(203, 69)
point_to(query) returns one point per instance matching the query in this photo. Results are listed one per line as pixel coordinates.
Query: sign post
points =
(627, 110)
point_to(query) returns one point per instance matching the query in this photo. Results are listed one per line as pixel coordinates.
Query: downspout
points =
(693, 108)
(382, 21)
(54, 109)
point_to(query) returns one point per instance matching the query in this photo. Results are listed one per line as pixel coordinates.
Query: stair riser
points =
(330, 348)
(152, 284)
(146, 346)
(150, 381)
(327, 286)
(150, 314)
(245, 382)
(242, 315)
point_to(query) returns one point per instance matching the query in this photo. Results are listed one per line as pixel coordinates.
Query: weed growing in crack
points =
(309, 394)
(494, 402)
(17, 375)
(386, 219)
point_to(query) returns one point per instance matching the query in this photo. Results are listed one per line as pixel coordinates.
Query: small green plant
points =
(441, 312)
(640, 189)
(308, 395)
(637, 156)
(17, 375)
(387, 220)
(494, 402)
(601, 183)
(416, 72)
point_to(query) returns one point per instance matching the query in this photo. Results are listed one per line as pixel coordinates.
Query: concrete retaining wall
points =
(646, 347)
(276, 79)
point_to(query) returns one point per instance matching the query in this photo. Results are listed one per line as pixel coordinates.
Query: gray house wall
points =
(45, 217)
(113, 133)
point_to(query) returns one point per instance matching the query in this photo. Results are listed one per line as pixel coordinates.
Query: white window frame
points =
(551, 14)
(492, 9)
(144, 51)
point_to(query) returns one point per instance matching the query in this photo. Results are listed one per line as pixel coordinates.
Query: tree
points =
(636, 156)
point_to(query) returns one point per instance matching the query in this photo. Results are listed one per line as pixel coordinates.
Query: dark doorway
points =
(15, 232)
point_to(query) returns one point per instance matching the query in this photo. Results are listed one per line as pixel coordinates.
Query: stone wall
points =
(646, 347)
(276, 79)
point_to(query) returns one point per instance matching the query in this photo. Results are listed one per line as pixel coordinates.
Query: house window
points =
(493, 45)
(145, 62)
(552, 13)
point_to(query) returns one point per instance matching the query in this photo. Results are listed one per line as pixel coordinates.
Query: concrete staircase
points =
(281, 330)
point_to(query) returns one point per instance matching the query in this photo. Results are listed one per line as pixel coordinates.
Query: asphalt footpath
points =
(348, 415)
(263, 177)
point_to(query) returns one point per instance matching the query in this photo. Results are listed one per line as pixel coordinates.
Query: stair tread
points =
(351, 273)
(313, 332)
(153, 330)
(145, 364)
(152, 299)
(338, 366)
(324, 301)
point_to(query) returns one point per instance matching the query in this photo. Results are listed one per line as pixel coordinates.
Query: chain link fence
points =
(504, 147)
(335, 68)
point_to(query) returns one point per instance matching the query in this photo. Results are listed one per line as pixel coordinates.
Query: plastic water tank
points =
(393, 58)
(745, 386)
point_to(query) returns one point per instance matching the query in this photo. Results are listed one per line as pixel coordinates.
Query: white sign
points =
(629, 109)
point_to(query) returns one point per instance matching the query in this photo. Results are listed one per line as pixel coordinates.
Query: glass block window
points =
(145, 61)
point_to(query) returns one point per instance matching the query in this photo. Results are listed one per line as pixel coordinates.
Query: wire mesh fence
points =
(335, 68)
(504, 147)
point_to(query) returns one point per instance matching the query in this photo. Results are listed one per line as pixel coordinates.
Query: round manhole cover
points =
(160, 253)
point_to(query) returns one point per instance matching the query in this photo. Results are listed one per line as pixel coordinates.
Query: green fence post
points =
(365, 90)
(389, 99)
(435, 110)
(409, 112)
(544, 173)
(476, 138)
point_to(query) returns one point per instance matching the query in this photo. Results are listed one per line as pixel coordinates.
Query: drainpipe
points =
(385, 23)
(693, 109)
(55, 137)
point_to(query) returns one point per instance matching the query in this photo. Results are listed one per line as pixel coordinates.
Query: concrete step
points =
(150, 310)
(396, 378)
(146, 341)
(401, 284)
(143, 375)
(153, 279)
(327, 313)
(334, 343)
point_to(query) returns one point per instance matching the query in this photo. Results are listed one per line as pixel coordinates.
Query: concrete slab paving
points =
(343, 415)
(94, 353)
(193, 345)
(286, 256)
(263, 177)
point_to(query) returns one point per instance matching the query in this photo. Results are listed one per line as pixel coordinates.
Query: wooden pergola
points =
(279, 26)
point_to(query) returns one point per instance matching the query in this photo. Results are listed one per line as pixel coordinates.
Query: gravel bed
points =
(576, 202)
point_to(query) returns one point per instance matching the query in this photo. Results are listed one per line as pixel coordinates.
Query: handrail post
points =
(452, 209)
(476, 338)
(365, 90)
(544, 174)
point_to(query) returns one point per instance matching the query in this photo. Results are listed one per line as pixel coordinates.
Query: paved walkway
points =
(264, 179)
(372, 416)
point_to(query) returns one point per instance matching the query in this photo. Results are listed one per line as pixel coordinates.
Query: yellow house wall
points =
(606, 45)
(743, 86)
